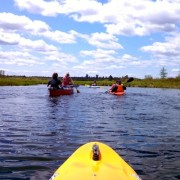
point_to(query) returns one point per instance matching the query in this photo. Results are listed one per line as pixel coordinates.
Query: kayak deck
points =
(95, 160)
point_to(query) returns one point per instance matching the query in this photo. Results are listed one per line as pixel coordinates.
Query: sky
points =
(90, 37)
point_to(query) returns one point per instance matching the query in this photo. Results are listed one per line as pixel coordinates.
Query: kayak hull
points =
(117, 93)
(60, 92)
(83, 165)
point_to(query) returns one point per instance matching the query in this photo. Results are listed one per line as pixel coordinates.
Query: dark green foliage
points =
(163, 73)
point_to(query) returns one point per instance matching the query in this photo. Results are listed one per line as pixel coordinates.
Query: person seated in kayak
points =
(55, 82)
(117, 87)
(67, 80)
(94, 83)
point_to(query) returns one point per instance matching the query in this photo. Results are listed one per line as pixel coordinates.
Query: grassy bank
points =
(21, 81)
(157, 83)
(153, 83)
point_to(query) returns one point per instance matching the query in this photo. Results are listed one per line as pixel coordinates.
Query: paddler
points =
(67, 80)
(117, 87)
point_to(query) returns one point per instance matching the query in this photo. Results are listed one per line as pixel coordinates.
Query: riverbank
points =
(152, 83)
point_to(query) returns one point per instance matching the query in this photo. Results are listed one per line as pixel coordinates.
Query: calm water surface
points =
(38, 133)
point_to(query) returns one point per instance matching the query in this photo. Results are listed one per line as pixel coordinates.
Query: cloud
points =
(60, 37)
(18, 58)
(23, 43)
(119, 17)
(165, 50)
(11, 23)
(175, 70)
(60, 57)
(37, 45)
(9, 39)
(43, 7)
(104, 41)
(14, 23)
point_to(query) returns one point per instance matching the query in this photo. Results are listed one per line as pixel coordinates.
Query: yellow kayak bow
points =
(95, 161)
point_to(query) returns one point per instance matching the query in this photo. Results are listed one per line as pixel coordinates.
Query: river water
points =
(38, 133)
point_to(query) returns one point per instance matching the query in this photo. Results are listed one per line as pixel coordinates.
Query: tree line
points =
(163, 75)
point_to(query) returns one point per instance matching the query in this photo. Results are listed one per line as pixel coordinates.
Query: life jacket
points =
(120, 88)
(67, 81)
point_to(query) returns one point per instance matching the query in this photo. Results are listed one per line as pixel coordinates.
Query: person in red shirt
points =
(67, 80)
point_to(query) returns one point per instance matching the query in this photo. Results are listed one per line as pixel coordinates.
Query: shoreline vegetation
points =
(173, 83)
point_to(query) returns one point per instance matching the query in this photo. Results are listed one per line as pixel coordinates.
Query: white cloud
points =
(60, 57)
(137, 17)
(9, 38)
(38, 45)
(60, 37)
(169, 48)
(43, 7)
(18, 58)
(21, 24)
(14, 23)
(104, 40)
(175, 70)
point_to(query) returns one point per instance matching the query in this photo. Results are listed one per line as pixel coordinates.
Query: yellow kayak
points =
(95, 161)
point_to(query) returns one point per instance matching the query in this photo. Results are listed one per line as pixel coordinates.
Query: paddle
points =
(77, 90)
(75, 86)
(129, 80)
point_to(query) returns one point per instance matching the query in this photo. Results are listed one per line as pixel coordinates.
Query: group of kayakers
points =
(56, 83)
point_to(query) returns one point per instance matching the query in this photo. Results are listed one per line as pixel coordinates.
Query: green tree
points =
(110, 78)
(163, 73)
(87, 76)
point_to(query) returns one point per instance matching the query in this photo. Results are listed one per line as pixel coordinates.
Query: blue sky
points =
(95, 37)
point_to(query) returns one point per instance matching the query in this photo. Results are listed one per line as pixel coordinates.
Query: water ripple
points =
(38, 133)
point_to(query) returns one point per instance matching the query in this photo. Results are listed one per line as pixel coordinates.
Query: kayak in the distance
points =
(95, 161)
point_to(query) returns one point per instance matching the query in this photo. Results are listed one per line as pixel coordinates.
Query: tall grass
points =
(157, 83)
(154, 83)
(19, 81)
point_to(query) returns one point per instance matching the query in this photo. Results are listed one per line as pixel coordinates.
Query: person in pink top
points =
(67, 80)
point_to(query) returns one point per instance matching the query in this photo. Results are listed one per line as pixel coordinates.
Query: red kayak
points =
(117, 93)
(59, 92)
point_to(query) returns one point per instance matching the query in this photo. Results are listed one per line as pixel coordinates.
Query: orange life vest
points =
(120, 88)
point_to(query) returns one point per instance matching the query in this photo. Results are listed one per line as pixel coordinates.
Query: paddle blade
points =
(78, 91)
(130, 79)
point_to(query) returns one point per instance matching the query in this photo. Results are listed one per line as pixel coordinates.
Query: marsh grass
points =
(19, 81)
(152, 83)
(157, 83)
